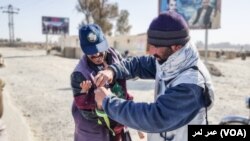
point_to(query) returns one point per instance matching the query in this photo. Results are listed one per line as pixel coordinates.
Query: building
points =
(135, 44)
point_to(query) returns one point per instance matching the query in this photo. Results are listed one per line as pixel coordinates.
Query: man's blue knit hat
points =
(169, 28)
(92, 39)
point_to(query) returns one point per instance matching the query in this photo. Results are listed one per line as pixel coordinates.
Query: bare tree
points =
(100, 11)
(85, 8)
(122, 24)
(104, 13)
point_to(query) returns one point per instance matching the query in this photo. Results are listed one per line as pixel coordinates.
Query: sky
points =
(235, 21)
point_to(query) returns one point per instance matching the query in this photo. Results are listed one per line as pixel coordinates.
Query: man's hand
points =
(100, 94)
(104, 77)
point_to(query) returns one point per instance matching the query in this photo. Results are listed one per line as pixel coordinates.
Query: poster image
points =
(199, 14)
(55, 25)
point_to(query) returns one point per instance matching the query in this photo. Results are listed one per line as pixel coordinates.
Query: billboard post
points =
(47, 44)
(63, 42)
(54, 26)
(206, 44)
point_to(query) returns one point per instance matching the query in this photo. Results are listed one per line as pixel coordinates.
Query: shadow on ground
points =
(142, 85)
(27, 56)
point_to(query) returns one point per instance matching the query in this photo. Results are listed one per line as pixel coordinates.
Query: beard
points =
(159, 59)
(164, 56)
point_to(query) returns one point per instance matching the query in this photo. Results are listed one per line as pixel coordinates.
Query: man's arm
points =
(178, 106)
(143, 67)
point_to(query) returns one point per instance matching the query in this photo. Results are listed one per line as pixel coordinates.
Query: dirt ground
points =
(38, 87)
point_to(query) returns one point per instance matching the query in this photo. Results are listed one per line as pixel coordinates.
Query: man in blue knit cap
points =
(183, 89)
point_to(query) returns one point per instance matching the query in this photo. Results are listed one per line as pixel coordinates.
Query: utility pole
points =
(10, 10)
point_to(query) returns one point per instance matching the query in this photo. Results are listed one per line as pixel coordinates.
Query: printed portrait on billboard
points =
(55, 25)
(199, 14)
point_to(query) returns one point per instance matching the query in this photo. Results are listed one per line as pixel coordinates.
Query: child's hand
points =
(141, 134)
(85, 85)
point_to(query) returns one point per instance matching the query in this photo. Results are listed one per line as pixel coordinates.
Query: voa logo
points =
(232, 132)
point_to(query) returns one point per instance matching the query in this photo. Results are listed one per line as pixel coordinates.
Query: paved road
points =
(38, 87)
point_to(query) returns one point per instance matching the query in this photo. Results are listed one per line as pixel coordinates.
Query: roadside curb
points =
(17, 128)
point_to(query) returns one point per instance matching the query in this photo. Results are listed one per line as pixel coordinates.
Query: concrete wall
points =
(135, 44)
(78, 52)
(69, 41)
(227, 54)
(72, 52)
(69, 52)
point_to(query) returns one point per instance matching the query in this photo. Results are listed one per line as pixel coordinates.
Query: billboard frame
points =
(55, 25)
(190, 9)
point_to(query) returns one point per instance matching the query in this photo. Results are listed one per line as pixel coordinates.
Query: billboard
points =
(55, 25)
(199, 14)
